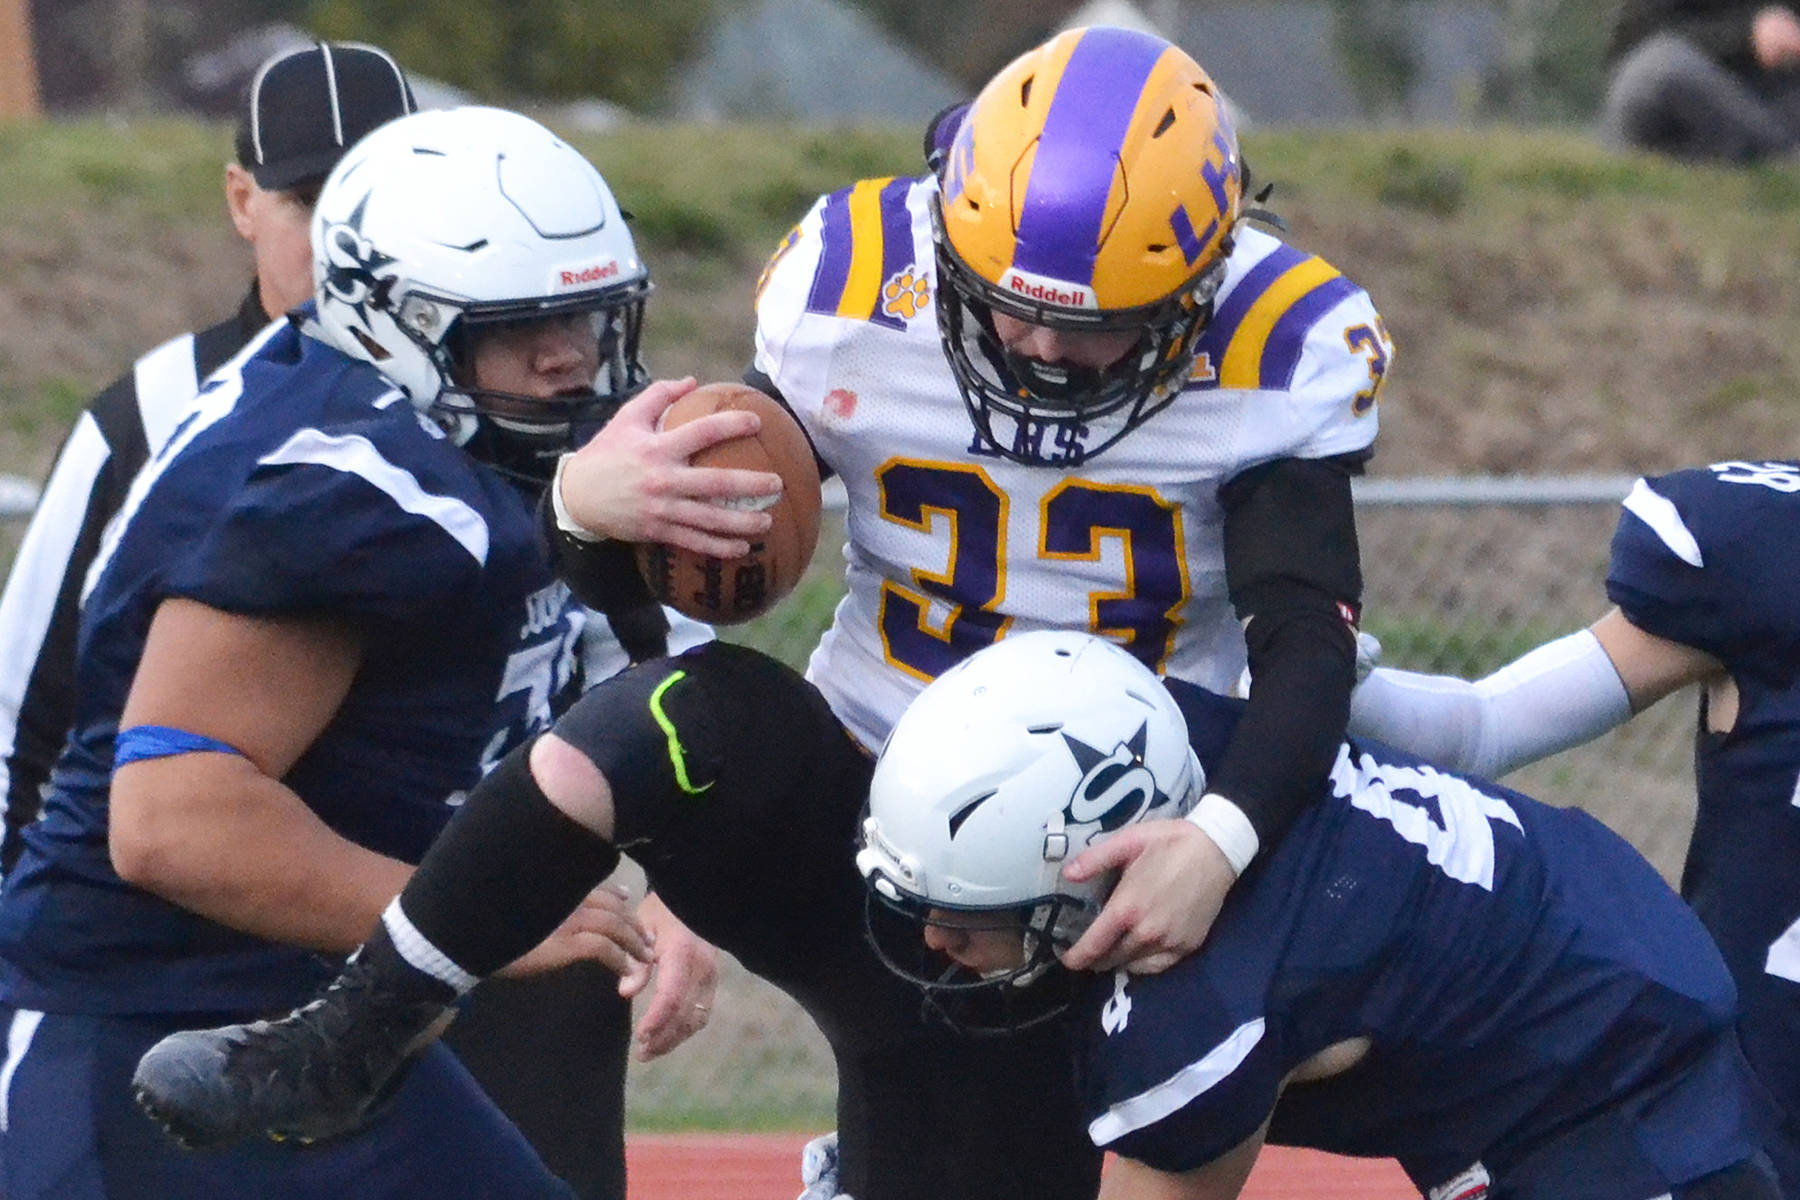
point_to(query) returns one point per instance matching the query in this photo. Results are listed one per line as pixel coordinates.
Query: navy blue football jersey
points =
(300, 482)
(1710, 558)
(1536, 998)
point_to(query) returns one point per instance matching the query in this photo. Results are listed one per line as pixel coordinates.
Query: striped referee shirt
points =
(40, 608)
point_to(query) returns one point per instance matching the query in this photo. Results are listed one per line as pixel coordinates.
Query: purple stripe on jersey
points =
(897, 252)
(1077, 158)
(836, 244)
(1230, 314)
(1281, 353)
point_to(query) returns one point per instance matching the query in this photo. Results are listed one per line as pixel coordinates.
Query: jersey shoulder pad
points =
(1270, 319)
(364, 519)
(1710, 558)
(862, 253)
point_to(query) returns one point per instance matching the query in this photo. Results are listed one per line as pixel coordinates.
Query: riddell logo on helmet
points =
(570, 277)
(1048, 291)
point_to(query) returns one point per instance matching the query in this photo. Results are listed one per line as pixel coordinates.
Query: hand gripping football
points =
(728, 591)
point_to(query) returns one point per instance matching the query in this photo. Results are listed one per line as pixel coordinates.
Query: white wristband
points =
(1228, 827)
(564, 521)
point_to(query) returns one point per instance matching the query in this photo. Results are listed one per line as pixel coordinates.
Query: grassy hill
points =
(1556, 307)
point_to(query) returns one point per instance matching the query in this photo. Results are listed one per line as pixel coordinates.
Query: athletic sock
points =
(500, 878)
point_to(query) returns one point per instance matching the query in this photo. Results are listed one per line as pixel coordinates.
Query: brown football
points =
(727, 591)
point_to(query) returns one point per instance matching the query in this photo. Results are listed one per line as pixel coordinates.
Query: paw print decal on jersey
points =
(905, 296)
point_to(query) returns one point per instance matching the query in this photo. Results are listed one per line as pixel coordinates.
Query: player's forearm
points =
(1559, 695)
(1303, 667)
(213, 835)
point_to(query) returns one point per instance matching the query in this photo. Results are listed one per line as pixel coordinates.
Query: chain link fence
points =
(1461, 576)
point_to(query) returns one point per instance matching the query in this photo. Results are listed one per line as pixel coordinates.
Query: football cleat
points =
(320, 1072)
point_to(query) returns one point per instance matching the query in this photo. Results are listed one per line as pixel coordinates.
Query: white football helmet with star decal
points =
(440, 222)
(1003, 769)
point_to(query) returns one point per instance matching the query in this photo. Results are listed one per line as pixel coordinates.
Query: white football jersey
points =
(951, 546)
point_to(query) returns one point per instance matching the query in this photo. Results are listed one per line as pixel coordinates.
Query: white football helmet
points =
(1003, 769)
(440, 222)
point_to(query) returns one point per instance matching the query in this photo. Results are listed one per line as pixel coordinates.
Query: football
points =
(729, 591)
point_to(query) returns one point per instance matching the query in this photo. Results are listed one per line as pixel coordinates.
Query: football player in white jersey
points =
(1065, 386)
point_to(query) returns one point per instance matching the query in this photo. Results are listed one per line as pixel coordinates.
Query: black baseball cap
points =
(305, 107)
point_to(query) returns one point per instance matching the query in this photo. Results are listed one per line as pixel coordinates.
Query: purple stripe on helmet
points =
(1217, 335)
(1281, 353)
(1077, 156)
(897, 251)
(834, 255)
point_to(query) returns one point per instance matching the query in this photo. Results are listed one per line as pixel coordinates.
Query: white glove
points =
(1368, 654)
(819, 1169)
(1368, 657)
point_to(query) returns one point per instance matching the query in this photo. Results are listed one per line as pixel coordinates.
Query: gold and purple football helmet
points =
(1093, 186)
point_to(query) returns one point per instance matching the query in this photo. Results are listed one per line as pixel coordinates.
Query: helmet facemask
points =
(1037, 990)
(521, 435)
(443, 228)
(1020, 406)
(1092, 187)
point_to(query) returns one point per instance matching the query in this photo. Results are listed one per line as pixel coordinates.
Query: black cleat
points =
(318, 1072)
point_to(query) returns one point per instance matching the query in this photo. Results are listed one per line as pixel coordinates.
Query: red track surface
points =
(742, 1166)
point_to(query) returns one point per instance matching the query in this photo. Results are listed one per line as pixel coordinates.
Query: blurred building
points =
(1306, 62)
(808, 60)
(1293, 62)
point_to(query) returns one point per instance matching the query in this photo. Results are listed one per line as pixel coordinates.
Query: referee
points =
(303, 109)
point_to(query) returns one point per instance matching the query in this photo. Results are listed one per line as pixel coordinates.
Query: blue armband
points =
(160, 741)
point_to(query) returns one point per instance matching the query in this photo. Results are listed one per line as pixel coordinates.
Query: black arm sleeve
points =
(764, 384)
(605, 577)
(1291, 564)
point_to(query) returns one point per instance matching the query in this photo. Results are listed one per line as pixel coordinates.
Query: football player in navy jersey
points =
(1704, 572)
(325, 607)
(1500, 994)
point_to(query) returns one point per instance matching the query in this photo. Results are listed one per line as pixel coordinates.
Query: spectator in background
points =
(304, 107)
(1705, 79)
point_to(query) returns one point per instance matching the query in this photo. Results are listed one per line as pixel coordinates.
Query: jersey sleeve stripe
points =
(862, 286)
(1174, 1093)
(833, 271)
(1665, 522)
(1219, 333)
(898, 250)
(357, 455)
(1281, 355)
(1243, 361)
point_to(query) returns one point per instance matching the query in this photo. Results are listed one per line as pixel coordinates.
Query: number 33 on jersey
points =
(952, 546)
